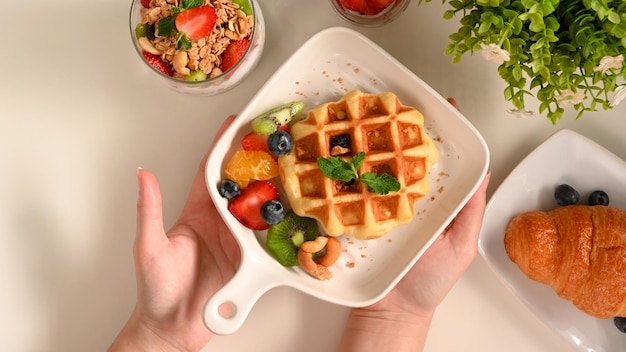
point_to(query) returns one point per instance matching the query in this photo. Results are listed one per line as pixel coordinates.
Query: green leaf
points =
(614, 17)
(381, 184)
(166, 26)
(537, 27)
(357, 161)
(484, 27)
(517, 73)
(552, 23)
(182, 42)
(188, 4)
(508, 93)
(336, 169)
(449, 49)
(448, 14)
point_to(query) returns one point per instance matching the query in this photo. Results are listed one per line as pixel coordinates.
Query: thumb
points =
(467, 224)
(150, 236)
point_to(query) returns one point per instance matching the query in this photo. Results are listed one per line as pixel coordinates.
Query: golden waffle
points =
(394, 141)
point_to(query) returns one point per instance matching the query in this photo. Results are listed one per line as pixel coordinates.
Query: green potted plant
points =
(564, 52)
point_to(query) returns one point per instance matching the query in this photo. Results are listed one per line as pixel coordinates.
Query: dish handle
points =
(227, 310)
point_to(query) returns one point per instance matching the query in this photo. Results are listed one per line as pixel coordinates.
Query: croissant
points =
(578, 250)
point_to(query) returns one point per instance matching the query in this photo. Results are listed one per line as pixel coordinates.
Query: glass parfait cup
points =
(213, 84)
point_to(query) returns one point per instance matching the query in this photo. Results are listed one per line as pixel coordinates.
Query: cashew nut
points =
(180, 61)
(307, 264)
(146, 45)
(315, 245)
(318, 268)
(333, 250)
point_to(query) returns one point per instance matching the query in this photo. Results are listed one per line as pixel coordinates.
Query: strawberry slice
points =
(380, 5)
(158, 63)
(253, 142)
(196, 22)
(234, 51)
(145, 3)
(360, 6)
(246, 207)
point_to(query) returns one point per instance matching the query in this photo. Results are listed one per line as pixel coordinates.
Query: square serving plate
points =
(565, 157)
(330, 64)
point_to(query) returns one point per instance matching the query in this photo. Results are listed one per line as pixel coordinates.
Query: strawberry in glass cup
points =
(370, 13)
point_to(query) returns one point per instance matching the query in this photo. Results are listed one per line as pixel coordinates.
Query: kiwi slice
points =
(271, 120)
(284, 238)
(196, 76)
(244, 5)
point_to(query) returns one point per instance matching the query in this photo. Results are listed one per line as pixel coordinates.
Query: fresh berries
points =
(245, 166)
(620, 323)
(246, 207)
(360, 6)
(565, 194)
(380, 5)
(158, 63)
(255, 163)
(280, 143)
(253, 141)
(229, 188)
(598, 197)
(234, 51)
(340, 144)
(196, 22)
(272, 212)
(366, 7)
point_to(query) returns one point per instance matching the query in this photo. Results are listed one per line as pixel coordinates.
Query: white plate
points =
(565, 157)
(325, 68)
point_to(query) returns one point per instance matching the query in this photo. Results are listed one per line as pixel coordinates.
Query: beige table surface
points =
(78, 114)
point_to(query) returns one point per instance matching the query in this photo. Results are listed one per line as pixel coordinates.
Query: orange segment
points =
(246, 165)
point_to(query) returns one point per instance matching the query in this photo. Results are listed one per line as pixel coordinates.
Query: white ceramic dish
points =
(325, 68)
(565, 157)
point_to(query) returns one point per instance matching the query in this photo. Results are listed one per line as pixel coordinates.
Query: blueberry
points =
(620, 323)
(280, 143)
(566, 195)
(272, 212)
(341, 140)
(151, 32)
(340, 144)
(598, 197)
(229, 189)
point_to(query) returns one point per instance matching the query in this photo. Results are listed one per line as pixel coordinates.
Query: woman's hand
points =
(178, 270)
(400, 321)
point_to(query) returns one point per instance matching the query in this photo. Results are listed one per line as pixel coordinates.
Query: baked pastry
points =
(394, 141)
(579, 250)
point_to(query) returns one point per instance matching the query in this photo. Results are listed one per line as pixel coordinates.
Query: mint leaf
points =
(166, 26)
(188, 4)
(381, 184)
(357, 161)
(182, 42)
(337, 169)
